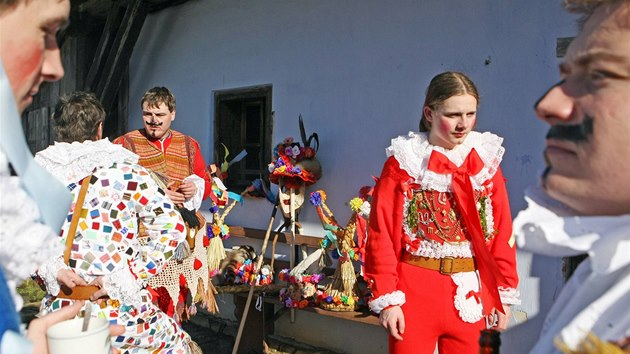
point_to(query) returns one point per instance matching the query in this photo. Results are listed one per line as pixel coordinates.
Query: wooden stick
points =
(241, 326)
(292, 260)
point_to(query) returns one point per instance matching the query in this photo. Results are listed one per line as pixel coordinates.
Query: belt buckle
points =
(446, 270)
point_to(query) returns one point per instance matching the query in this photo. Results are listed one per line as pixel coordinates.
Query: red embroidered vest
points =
(436, 216)
(176, 163)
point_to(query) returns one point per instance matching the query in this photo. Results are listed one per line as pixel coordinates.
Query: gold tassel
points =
(211, 303)
(194, 347)
(216, 254)
(216, 251)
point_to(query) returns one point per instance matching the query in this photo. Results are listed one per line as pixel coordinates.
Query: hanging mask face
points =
(288, 196)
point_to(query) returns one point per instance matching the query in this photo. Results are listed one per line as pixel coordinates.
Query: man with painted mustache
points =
(177, 158)
(583, 205)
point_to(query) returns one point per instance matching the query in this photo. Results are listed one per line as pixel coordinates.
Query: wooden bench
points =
(312, 242)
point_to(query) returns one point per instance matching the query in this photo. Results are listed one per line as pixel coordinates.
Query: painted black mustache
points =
(154, 124)
(576, 133)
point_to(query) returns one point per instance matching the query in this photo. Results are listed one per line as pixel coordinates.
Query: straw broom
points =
(345, 279)
(216, 250)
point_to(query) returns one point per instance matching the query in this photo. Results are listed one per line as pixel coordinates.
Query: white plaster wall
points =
(356, 70)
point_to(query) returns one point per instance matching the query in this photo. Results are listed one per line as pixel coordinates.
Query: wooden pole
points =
(250, 295)
(292, 260)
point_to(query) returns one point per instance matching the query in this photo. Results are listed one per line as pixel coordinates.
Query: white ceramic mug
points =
(66, 337)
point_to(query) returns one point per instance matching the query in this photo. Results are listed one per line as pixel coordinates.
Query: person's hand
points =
(115, 331)
(175, 196)
(69, 278)
(188, 189)
(37, 328)
(99, 294)
(502, 319)
(393, 320)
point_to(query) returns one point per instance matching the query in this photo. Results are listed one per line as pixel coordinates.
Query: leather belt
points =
(446, 265)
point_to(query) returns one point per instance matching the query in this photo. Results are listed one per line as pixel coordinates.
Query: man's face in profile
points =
(588, 144)
(29, 45)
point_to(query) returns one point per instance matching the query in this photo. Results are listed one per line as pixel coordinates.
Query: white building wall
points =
(357, 70)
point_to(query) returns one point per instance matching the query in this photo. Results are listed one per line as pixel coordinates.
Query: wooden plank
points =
(123, 104)
(159, 5)
(355, 316)
(122, 47)
(365, 317)
(112, 24)
(37, 126)
(300, 240)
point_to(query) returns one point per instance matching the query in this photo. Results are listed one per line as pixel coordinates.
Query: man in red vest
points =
(178, 160)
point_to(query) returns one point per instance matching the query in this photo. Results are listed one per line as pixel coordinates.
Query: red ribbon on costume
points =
(465, 197)
(474, 295)
(361, 240)
(408, 188)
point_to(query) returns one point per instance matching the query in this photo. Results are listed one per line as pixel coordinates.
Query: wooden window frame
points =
(235, 182)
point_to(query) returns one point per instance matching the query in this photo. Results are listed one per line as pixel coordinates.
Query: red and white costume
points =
(418, 210)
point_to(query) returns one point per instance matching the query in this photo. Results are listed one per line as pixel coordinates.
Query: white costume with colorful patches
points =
(121, 195)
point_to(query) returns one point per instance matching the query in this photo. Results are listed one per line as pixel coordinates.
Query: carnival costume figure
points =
(439, 245)
(176, 158)
(107, 250)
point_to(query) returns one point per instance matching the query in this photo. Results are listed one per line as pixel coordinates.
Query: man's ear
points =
(174, 111)
(99, 131)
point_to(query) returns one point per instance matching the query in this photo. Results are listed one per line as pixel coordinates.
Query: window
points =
(243, 120)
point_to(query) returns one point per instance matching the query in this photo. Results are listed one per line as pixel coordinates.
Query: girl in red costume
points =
(440, 255)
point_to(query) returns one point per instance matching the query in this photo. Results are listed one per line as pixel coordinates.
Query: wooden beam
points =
(300, 240)
(104, 45)
(159, 5)
(118, 60)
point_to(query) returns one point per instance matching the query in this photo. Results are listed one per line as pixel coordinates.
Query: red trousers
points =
(431, 317)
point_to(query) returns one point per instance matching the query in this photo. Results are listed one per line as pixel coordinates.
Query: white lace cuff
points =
(48, 273)
(122, 285)
(509, 296)
(194, 203)
(381, 302)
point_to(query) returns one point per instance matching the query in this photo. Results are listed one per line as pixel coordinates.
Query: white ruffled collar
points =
(413, 151)
(548, 227)
(70, 162)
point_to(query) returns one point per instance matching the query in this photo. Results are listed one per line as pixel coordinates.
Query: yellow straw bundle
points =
(344, 283)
